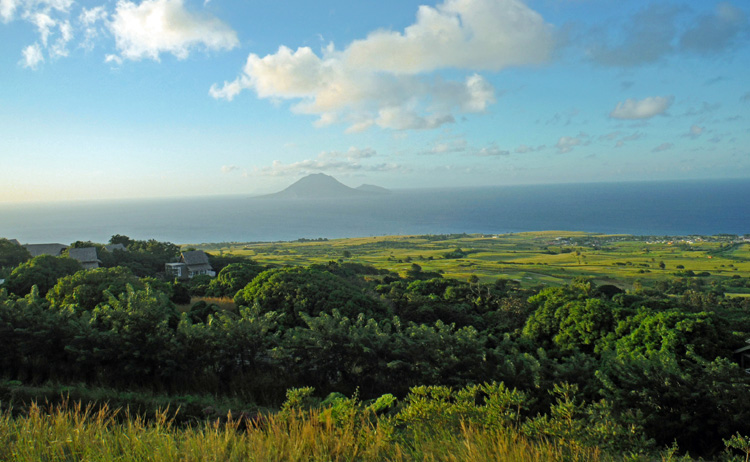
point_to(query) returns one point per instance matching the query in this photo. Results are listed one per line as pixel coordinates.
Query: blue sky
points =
(156, 98)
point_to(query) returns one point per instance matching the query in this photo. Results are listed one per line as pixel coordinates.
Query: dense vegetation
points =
(397, 362)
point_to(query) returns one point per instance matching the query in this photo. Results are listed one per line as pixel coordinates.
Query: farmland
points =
(548, 258)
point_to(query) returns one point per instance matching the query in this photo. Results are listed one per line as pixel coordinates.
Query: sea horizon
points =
(676, 207)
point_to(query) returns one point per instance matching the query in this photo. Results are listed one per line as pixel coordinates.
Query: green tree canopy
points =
(86, 289)
(42, 271)
(234, 277)
(292, 291)
(12, 254)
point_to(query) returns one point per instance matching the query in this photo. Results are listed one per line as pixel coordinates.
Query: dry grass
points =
(77, 434)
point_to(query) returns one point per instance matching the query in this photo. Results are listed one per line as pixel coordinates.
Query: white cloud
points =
(44, 23)
(32, 56)
(523, 149)
(229, 168)
(8, 9)
(642, 109)
(89, 19)
(380, 80)
(492, 151)
(307, 166)
(463, 34)
(663, 147)
(449, 146)
(59, 48)
(45, 16)
(28, 8)
(567, 143)
(154, 27)
(113, 59)
(353, 154)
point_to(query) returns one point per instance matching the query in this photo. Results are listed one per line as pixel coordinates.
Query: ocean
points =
(641, 208)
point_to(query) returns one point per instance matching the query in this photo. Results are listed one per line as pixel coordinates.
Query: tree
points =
(12, 254)
(233, 277)
(291, 291)
(86, 289)
(120, 239)
(42, 271)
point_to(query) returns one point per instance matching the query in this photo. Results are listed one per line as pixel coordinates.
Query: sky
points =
(124, 99)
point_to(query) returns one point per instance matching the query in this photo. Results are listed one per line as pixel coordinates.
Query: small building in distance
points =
(86, 256)
(191, 264)
(45, 249)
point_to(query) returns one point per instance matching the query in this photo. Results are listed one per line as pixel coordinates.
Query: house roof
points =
(113, 247)
(45, 249)
(195, 257)
(14, 241)
(84, 255)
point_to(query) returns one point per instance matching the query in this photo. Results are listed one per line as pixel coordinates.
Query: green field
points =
(549, 258)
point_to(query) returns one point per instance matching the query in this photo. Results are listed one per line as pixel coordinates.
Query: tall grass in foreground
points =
(70, 433)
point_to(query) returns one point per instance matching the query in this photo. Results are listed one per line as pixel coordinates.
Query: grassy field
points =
(539, 258)
(77, 433)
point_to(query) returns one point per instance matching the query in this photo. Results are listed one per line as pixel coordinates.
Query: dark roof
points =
(113, 247)
(84, 255)
(45, 249)
(195, 257)
(14, 241)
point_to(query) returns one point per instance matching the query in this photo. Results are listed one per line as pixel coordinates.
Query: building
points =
(45, 249)
(86, 256)
(192, 263)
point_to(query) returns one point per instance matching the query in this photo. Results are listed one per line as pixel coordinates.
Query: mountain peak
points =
(320, 186)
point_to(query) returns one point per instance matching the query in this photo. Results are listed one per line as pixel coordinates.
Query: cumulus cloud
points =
(229, 168)
(715, 32)
(153, 27)
(642, 109)
(463, 34)
(32, 56)
(381, 80)
(663, 147)
(141, 30)
(8, 9)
